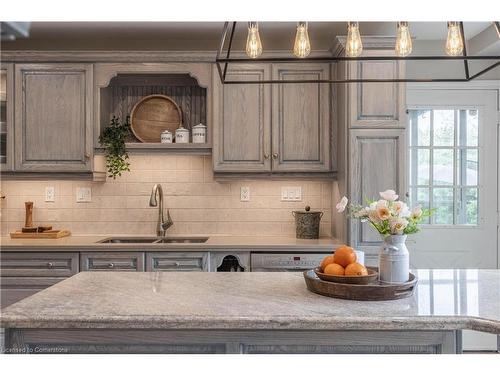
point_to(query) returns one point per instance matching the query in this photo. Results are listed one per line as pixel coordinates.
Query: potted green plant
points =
(113, 140)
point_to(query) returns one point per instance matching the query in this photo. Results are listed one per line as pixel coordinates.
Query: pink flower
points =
(398, 225)
(416, 213)
(342, 204)
(389, 195)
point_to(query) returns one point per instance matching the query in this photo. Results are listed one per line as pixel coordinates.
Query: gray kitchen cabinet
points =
(6, 116)
(273, 128)
(53, 117)
(112, 261)
(26, 273)
(177, 261)
(377, 163)
(377, 104)
(301, 119)
(242, 135)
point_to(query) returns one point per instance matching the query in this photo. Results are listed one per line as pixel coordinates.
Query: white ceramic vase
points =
(394, 260)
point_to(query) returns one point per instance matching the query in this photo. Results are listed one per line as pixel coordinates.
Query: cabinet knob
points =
(275, 156)
(266, 156)
(110, 265)
(177, 264)
(87, 155)
(50, 264)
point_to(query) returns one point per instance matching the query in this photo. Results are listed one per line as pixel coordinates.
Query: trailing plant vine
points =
(113, 140)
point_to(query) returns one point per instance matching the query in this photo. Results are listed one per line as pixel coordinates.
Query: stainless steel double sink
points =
(153, 240)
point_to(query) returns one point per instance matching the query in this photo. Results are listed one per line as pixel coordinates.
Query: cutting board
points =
(48, 234)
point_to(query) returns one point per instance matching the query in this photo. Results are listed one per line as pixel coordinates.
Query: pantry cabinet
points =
(277, 128)
(53, 117)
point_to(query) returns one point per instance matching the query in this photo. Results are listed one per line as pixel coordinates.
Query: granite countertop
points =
(90, 243)
(444, 300)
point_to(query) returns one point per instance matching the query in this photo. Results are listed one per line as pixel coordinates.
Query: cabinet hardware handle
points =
(50, 264)
(177, 264)
(110, 265)
(275, 156)
(87, 155)
(266, 156)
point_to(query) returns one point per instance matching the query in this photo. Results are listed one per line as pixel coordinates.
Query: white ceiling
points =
(205, 35)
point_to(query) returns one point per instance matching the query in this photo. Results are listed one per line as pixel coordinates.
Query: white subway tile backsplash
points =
(197, 203)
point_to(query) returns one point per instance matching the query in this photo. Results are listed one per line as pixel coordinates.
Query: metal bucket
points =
(307, 223)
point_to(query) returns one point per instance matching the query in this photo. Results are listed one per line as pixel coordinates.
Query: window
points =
(444, 169)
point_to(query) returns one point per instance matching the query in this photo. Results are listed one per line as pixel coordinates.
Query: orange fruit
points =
(344, 256)
(356, 269)
(325, 262)
(334, 269)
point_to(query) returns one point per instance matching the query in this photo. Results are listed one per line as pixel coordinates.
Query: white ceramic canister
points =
(166, 137)
(394, 260)
(182, 135)
(199, 133)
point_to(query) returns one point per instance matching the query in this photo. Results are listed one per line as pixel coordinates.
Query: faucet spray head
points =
(152, 200)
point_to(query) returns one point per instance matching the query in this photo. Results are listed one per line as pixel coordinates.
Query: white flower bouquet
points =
(388, 215)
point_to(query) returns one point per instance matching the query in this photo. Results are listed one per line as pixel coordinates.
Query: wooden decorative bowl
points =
(152, 115)
(372, 277)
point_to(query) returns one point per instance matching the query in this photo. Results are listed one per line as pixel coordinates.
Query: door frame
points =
(493, 85)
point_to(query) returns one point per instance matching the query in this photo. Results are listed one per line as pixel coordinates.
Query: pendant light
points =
(254, 45)
(454, 43)
(302, 45)
(354, 46)
(403, 40)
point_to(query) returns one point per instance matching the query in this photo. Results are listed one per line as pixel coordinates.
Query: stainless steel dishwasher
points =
(285, 262)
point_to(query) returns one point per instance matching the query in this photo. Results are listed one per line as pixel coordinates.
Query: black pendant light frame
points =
(227, 37)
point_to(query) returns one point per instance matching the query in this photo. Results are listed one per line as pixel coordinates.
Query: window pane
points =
(471, 205)
(471, 167)
(424, 128)
(423, 200)
(444, 127)
(423, 166)
(472, 127)
(443, 167)
(443, 203)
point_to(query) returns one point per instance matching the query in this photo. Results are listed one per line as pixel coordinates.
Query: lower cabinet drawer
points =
(167, 261)
(34, 264)
(112, 261)
(14, 289)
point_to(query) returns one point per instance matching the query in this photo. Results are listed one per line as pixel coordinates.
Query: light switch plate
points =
(244, 193)
(291, 193)
(50, 194)
(83, 194)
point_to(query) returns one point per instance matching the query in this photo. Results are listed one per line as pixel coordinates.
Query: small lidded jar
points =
(182, 135)
(166, 137)
(199, 133)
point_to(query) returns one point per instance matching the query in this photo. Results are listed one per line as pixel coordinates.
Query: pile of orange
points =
(343, 263)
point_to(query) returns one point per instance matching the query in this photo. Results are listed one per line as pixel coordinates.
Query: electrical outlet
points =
(291, 194)
(244, 193)
(83, 194)
(50, 194)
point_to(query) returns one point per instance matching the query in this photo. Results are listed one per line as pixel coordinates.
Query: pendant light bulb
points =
(254, 45)
(354, 46)
(403, 40)
(302, 45)
(454, 43)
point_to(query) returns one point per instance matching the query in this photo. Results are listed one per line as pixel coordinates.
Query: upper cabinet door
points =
(53, 117)
(301, 119)
(377, 104)
(242, 123)
(6, 116)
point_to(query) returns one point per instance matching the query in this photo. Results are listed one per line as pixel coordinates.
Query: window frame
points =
(456, 186)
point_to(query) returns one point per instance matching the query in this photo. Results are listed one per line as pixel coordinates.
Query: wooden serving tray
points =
(370, 292)
(48, 234)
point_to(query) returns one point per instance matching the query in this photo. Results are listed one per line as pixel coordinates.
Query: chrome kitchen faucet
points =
(162, 225)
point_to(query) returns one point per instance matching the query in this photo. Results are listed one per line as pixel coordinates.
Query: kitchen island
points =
(195, 312)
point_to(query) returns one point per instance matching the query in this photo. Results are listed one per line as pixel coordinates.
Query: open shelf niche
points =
(126, 89)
